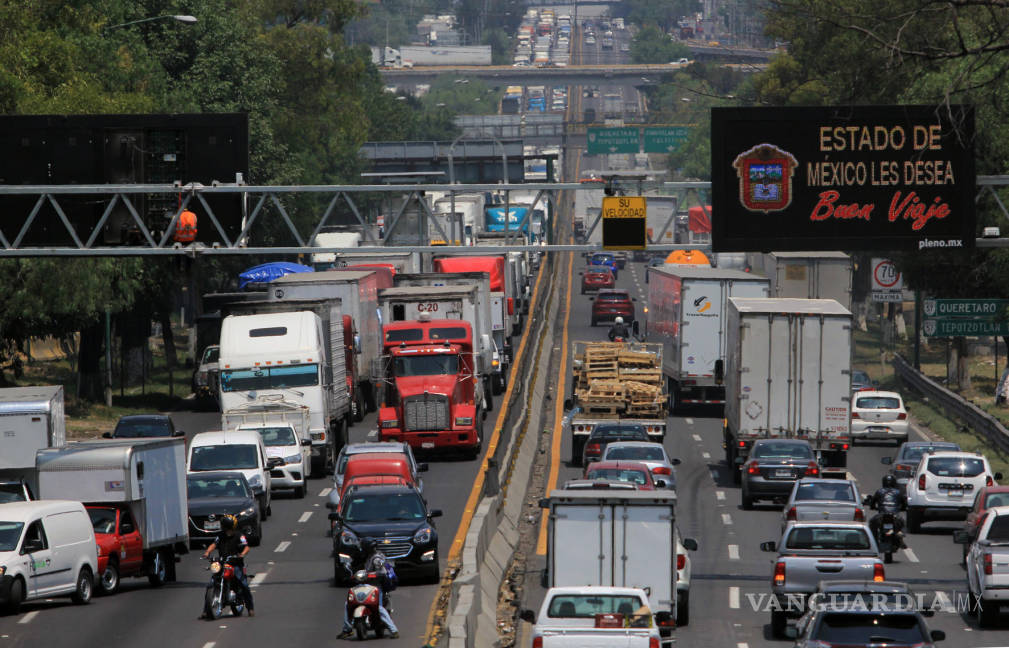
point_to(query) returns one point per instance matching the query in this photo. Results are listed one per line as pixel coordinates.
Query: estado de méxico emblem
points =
(765, 178)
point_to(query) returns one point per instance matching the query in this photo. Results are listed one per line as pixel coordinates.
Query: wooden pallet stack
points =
(613, 380)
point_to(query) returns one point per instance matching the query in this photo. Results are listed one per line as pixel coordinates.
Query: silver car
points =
(651, 454)
(815, 498)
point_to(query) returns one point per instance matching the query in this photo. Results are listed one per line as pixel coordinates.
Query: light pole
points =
(185, 20)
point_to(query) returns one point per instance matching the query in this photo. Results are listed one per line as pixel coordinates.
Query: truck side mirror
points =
(528, 616)
(866, 500)
(433, 513)
(961, 537)
(689, 544)
(178, 433)
(106, 435)
(719, 371)
(886, 461)
(568, 404)
(769, 546)
(306, 442)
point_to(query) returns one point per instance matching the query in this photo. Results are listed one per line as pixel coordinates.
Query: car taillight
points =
(681, 561)
(537, 642)
(878, 575)
(988, 481)
(902, 416)
(921, 482)
(592, 448)
(653, 642)
(742, 444)
(792, 514)
(859, 515)
(779, 574)
(987, 564)
(812, 470)
(752, 468)
(855, 415)
(662, 470)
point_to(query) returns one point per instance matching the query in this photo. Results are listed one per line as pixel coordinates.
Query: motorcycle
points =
(223, 588)
(362, 608)
(888, 538)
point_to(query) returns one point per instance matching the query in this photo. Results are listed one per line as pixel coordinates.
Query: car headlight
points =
(293, 459)
(246, 513)
(348, 538)
(423, 535)
(3, 570)
(391, 423)
(464, 420)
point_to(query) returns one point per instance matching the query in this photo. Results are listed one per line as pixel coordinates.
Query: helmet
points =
(619, 320)
(360, 575)
(228, 523)
(889, 481)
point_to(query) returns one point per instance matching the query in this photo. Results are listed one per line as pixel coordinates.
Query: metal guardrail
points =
(954, 405)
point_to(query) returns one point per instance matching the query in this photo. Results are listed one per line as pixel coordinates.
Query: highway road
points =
(730, 572)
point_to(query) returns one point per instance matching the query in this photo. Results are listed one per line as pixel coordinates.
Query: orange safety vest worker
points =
(185, 227)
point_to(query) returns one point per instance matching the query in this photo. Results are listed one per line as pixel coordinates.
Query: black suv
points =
(144, 426)
(397, 519)
(607, 433)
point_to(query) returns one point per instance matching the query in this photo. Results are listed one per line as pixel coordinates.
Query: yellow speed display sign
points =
(624, 223)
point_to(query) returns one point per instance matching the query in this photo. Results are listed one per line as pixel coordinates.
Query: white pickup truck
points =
(988, 564)
(593, 617)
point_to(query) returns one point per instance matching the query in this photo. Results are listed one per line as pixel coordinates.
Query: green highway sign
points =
(950, 327)
(613, 140)
(665, 139)
(984, 308)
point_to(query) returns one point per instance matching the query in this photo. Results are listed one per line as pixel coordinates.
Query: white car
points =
(682, 582)
(878, 415)
(283, 443)
(235, 450)
(943, 486)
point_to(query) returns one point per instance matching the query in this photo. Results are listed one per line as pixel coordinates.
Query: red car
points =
(632, 472)
(596, 278)
(610, 304)
(987, 498)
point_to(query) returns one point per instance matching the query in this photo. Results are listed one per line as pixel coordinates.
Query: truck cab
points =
(431, 387)
(120, 545)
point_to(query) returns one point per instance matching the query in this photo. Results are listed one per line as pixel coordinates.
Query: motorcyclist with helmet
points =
(233, 544)
(888, 500)
(377, 564)
(619, 330)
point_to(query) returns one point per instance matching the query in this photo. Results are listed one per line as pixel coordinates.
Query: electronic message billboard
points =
(842, 178)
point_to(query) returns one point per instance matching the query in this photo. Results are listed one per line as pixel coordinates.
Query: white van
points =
(238, 450)
(47, 548)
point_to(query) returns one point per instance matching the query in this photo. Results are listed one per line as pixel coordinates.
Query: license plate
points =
(955, 492)
(212, 526)
(427, 445)
(878, 429)
(783, 473)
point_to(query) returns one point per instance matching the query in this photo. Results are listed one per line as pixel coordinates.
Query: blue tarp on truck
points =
(269, 271)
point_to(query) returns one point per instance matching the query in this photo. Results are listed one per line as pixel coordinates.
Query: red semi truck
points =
(432, 397)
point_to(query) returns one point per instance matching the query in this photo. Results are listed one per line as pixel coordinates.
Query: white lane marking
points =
(726, 519)
(304, 516)
(706, 455)
(910, 555)
(28, 617)
(210, 644)
(733, 552)
(734, 598)
(282, 546)
(719, 495)
(325, 491)
(742, 644)
(697, 437)
(851, 476)
(258, 579)
(689, 420)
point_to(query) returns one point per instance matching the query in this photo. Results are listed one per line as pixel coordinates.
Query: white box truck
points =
(327, 260)
(31, 419)
(787, 375)
(616, 539)
(135, 492)
(687, 314)
(808, 275)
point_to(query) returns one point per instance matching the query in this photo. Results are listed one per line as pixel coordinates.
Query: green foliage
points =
(462, 95)
(651, 45)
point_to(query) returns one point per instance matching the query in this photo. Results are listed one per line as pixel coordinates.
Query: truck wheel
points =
(299, 491)
(737, 474)
(778, 623)
(358, 406)
(369, 397)
(987, 615)
(488, 396)
(109, 582)
(17, 595)
(914, 520)
(157, 574)
(683, 608)
(747, 502)
(85, 587)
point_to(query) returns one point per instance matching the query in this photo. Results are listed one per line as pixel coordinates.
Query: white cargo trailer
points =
(787, 375)
(806, 275)
(31, 419)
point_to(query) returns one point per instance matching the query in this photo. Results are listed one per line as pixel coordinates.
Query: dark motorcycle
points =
(888, 538)
(362, 608)
(223, 589)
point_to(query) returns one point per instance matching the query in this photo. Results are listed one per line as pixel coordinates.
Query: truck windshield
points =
(955, 466)
(278, 436)
(851, 629)
(270, 378)
(840, 539)
(211, 355)
(10, 533)
(224, 457)
(427, 365)
(103, 520)
(391, 506)
(587, 606)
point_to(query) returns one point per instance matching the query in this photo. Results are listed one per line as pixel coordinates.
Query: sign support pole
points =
(917, 330)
